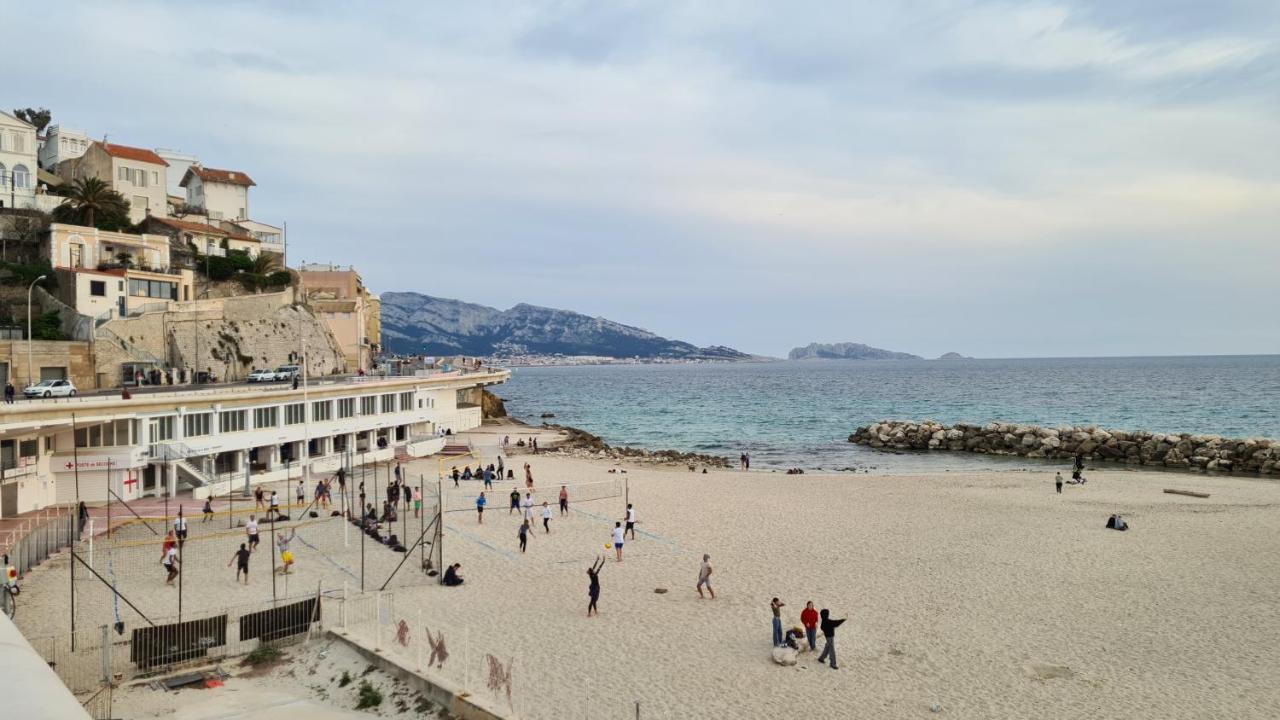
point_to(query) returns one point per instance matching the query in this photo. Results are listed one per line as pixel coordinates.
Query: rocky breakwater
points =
(582, 444)
(1169, 450)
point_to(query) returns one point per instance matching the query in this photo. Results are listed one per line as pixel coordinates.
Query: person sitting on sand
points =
(466, 473)
(1115, 522)
(451, 576)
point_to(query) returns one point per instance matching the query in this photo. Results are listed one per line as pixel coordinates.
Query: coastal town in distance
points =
(639, 362)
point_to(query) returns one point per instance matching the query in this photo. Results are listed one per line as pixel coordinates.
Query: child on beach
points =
(241, 559)
(480, 503)
(593, 591)
(617, 539)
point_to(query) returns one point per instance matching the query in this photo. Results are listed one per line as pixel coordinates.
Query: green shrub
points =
(223, 267)
(47, 327)
(345, 680)
(22, 275)
(370, 696)
(263, 654)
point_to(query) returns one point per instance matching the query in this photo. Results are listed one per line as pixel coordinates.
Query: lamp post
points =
(30, 289)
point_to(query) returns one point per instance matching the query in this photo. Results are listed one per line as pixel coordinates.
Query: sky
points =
(1099, 177)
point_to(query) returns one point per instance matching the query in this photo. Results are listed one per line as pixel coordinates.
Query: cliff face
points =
(491, 406)
(846, 351)
(415, 323)
(1173, 450)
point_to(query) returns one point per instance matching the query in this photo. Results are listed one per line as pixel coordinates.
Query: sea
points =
(799, 414)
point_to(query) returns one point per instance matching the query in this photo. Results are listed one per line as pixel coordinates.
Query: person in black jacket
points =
(829, 626)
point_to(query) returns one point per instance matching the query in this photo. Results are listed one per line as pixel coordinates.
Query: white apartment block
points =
(61, 144)
(219, 439)
(17, 162)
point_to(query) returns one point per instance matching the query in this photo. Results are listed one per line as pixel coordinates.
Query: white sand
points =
(987, 594)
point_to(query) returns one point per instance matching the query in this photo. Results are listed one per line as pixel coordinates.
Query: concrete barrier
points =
(29, 689)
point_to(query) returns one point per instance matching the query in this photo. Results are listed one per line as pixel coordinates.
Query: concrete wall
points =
(29, 687)
(76, 358)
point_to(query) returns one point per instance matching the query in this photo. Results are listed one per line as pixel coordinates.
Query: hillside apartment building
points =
(353, 314)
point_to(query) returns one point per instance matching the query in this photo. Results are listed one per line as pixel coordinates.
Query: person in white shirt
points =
(527, 504)
(251, 529)
(631, 521)
(274, 505)
(171, 563)
(180, 526)
(617, 539)
(546, 516)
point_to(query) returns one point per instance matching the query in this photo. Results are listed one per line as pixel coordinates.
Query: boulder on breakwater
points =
(1169, 450)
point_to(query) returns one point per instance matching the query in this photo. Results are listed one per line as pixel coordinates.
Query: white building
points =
(17, 162)
(179, 162)
(271, 237)
(224, 194)
(62, 144)
(216, 439)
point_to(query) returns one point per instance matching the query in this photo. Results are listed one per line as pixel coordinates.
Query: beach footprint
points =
(1046, 671)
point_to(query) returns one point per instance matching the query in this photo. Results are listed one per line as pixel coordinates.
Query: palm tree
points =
(264, 264)
(91, 198)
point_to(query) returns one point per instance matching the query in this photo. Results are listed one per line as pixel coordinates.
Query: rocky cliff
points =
(1168, 450)
(415, 323)
(846, 351)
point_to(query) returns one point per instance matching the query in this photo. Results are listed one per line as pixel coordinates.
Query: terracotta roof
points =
(132, 153)
(231, 177)
(202, 228)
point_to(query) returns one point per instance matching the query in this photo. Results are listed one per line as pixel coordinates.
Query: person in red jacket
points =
(809, 618)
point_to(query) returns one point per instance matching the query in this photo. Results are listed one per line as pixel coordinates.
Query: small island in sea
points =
(846, 351)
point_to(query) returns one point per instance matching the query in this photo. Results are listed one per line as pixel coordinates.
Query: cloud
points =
(672, 165)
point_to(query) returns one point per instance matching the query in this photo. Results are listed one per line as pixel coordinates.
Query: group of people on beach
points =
(812, 621)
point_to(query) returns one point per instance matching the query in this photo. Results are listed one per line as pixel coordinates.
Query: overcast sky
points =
(999, 179)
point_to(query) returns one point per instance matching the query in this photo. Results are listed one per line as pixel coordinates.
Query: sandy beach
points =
(986, 594)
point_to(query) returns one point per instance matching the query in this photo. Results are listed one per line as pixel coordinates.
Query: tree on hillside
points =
(91, 202)
(40, 118)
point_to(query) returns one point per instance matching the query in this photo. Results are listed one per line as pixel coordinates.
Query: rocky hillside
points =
(415, 323)
(846, 351)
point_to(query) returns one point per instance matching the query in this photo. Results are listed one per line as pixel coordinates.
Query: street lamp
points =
(30, 289)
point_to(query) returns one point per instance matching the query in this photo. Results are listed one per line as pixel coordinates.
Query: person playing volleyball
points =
(286, 555)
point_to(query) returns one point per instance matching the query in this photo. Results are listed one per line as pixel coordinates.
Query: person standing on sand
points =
(417, 501)
(704, 577)
(527, 507)
(515, 501)
(528, 476)
(208, 510)
(631, 521)
(809, 619)
(829, 626)
(775, 606)
(251, 530)
(594, 590)
(500, 467)
(258, 497)
(241, 559)
(455, 476)
(564, 500)
(1057, 480)
(617, 539)
(171, 563)
(480, 503)
(546, 516)
(524, 535)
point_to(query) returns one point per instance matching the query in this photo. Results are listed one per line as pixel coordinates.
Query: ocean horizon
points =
(799, 413)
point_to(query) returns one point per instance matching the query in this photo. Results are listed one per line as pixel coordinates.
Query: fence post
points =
(419, 644)
(90, 542)
(106, 652)
(377, 621)
(345, 600)
(466, 659)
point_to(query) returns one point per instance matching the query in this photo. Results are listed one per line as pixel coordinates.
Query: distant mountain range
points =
(413, 323)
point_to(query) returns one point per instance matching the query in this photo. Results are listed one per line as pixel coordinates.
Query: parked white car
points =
(50, 388)
(263, 375)
(288, 372)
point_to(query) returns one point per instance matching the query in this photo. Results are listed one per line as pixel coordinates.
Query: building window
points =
(295, 414)
(339, 443)
(162, 428)
(406, 401)
(28, 448)
(322, 410)
(264, 417)
(155, 178)
(122, 174)
(368, 405)
(153, 289)
(231, 421)
(346, 407)
(389, 403)
(98, 288)
(196, 424)
(21, 176)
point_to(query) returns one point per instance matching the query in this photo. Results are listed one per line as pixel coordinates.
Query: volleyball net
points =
(463, 498)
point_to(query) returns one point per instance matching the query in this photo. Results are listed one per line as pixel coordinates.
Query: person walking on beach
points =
(455, 476)
(546, 516)
(809, 619)
(527, 507)
(417, 501)
(301, 493)
(617, 539)
(207, 511)
(524, 535)
(1057, 481)
(480, 503)
(528, 476)
(704, 577)
(251, 530)
(180, 526)
(593, 591)
(273, 506)
(258, 499)
(564, 500)
(631, 521)
(241, 559)
(515, 501)
(775, 606)
(171, 563)
(488, 479)
(500, 467)
(742, 461)
(829, 626)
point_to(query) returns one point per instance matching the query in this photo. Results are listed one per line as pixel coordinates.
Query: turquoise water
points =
(801, 413)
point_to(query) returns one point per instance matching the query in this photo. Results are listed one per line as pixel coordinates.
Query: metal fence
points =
(38, 537)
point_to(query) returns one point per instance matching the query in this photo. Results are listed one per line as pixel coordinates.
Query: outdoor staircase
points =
(455, 446)
(182, 458)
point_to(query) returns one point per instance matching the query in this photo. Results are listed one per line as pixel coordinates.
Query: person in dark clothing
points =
(451, 576)
(1057, 481)
(524, 535)
(241, 559)
(594, 590)
(515, 501)
(8, 393)
(828, 626)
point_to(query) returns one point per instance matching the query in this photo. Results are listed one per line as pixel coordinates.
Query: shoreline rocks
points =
(1181, 451)
(580, 443)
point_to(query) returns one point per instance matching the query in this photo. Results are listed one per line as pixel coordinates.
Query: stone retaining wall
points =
(1169, 450)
